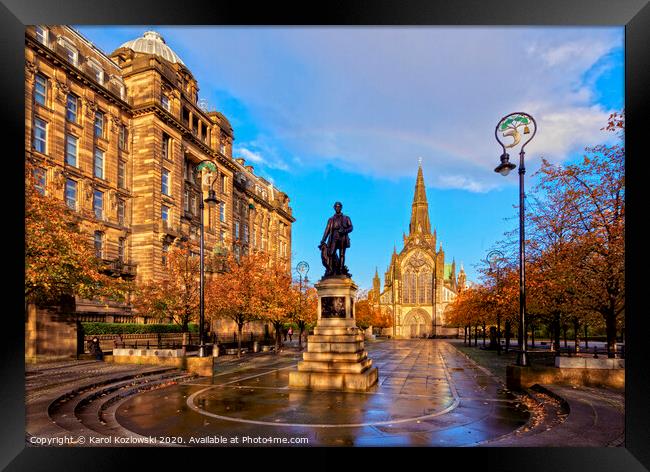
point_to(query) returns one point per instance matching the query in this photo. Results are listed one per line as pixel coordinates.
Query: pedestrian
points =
(284, 332)
(290, 333)
(95, 349)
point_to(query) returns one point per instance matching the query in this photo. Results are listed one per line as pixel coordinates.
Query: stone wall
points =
(49, 333)
(518, 378)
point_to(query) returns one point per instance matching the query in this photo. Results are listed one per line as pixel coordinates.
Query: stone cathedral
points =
(418, 285)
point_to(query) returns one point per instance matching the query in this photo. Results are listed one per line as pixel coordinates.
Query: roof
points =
(152, 42)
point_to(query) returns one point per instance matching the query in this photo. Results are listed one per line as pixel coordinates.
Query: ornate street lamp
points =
(302, 268)
(212, 201)
(510, 126)
(494, 259)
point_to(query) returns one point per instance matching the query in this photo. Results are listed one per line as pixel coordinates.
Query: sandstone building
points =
(419, 284)
(119, 138)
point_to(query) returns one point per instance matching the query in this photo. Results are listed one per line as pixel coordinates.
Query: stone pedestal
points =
(335, 357)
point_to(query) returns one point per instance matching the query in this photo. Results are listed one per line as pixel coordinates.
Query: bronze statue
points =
(336, 238)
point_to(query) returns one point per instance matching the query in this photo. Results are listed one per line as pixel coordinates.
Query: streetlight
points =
(509, 125)
(493, 259)
(212, 201)
(302, 268)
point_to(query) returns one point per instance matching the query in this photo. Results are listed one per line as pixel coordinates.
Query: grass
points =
(488, 359)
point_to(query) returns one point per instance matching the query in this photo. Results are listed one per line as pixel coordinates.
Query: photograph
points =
(343, 236)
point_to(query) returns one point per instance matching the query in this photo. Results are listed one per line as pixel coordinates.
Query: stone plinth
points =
(335, 358)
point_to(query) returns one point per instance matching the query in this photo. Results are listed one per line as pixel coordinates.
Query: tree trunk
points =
(556, 332)
(532, 335)
(240, 328)
(586, 338)
(564, 330)
(475, 335)
(507, 336)
(484, 334)
(610, 327)
(576, 334)
(278, 327)
(301, 326)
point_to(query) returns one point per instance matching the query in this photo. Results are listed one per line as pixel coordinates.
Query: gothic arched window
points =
(425, 286)
(409, 289)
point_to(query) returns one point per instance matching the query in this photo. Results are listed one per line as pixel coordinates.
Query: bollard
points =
(595, 352)
(256, 346)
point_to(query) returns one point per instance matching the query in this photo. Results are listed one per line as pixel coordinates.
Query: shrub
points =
(133, 328)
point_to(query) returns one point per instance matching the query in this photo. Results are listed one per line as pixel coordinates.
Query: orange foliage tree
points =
(238, 293)
(176, 296)
(277, 298)
(60, 260)
(305, 306)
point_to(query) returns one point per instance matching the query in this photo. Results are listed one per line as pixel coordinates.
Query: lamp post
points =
(493, 259)
(212, 201)
(302, 268)
(509, 126)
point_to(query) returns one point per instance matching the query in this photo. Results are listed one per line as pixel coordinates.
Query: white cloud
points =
(374, 99)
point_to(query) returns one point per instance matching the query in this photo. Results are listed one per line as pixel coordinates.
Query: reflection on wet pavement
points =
(428, 394)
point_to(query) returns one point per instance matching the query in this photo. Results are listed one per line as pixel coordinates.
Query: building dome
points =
(152, 43)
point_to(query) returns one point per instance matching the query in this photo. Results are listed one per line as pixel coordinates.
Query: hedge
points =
(133, 328)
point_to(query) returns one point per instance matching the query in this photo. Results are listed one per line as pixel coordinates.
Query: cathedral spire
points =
(420, 209)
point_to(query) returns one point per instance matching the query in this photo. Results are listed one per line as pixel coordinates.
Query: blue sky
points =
(344, 114)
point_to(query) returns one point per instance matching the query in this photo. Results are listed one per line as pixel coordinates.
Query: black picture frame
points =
(634, 14)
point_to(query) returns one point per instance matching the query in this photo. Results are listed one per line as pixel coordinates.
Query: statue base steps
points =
(335, 358)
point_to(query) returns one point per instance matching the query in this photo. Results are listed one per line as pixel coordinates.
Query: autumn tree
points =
(276, 298)
(60, 260)
(594, 192)
(236, 293)
(305, 306)
(176, 295)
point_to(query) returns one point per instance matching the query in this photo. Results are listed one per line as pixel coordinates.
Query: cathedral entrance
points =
(417, 324)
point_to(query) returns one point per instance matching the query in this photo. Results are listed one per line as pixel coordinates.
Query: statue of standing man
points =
(336, 239)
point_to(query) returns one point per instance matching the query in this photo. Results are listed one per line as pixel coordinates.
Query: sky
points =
(344, 114)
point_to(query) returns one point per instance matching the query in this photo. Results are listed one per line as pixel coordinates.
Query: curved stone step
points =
(93, 415)
(65, 414)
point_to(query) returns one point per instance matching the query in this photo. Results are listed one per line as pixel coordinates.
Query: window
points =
(186, 201)
(99, 124)
(98, 163)
(71, 193)
(165, 250)
(222, 148)
(194, 205)
(236, 229)
(41, 34)
(121, 174)
(165, 182)
(71, 108)
(409, 290)
(166, 146)
(122, 140)
(39, 180)
(224, 183)
(121, 244)
(165, 102)
(96, 71)
(245, 233)
(121, 210)
(98, 204)
(71, 150)
(424, 287)
(164, 214)
(99, 244)
(222, 212)
(40, 135)
(70, 52)
(40, 89)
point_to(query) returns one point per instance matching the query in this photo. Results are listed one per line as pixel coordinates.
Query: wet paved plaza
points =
(428, 394)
